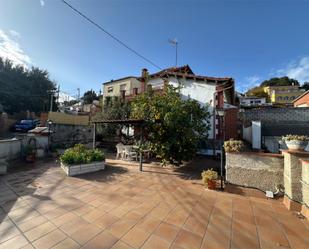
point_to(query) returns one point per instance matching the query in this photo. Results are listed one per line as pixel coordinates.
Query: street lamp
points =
(49, 122)
(221, 113)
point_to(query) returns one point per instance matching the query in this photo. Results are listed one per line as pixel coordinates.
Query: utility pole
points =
(58, 92)
(78, 93)
(51, 102)
(174, 42)
(51, 99)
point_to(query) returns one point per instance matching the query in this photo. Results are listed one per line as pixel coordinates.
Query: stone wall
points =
(266, 171)
(258, 170)
(63, 134)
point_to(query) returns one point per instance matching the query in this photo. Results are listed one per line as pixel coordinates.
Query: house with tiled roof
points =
(302, 100)
(216, 92)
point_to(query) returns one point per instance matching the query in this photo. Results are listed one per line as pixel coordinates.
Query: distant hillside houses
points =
(65, 97)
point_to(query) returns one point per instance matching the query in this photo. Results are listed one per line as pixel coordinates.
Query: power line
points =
(111, 35)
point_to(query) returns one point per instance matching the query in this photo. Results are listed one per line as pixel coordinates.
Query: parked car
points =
(26, 125)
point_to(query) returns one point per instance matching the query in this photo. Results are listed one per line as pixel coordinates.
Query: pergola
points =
(135, 122)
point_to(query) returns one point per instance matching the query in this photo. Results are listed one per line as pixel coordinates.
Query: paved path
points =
(123, 208)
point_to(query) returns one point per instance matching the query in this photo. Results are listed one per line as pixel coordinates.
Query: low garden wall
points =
(263, 171)
(10, 149)
(296, 181)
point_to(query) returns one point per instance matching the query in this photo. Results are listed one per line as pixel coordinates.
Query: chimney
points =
(144, 72)
(165, 85)
(143, 79)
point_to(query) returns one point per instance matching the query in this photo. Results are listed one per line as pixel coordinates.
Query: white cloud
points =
(298, 70)
(10, 48)
(249, 82)
(14, 33)
(42, 2)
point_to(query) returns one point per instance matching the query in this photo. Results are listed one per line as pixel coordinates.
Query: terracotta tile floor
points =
(123, 208)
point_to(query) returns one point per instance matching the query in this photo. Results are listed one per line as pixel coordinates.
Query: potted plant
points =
(296, 142)
(54, 151)
(233, 146)
(30, 153)
(209, 178)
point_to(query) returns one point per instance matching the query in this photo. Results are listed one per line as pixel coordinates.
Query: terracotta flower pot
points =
(211, 184)
(30, 158)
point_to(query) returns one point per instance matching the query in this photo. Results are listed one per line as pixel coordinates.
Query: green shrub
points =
(233, 145)
(295, 137)
(80, 155)
(29, 150)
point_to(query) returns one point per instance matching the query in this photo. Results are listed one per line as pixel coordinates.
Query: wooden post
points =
(94, 135)
(141, 152)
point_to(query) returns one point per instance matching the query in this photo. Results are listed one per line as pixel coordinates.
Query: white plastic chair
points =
(128, 153)
(120, 150)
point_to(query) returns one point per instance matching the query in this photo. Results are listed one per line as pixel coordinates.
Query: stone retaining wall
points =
(258, 170)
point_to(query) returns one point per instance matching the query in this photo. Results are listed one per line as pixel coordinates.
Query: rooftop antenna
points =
(174, 42)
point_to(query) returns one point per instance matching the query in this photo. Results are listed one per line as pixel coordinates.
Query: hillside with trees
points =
(25, 89)
(282, 81)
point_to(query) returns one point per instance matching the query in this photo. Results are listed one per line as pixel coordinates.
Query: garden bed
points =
(73, 170)
(79, 160)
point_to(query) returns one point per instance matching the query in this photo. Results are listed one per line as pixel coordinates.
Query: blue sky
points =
(248, 40)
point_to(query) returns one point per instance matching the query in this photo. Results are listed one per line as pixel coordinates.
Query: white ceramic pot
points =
(296, 144)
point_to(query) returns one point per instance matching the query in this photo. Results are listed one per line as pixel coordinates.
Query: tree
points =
(25, 89)
(283, 81)
(257, 92)
(305, 86)
(90, 96)
(114, 108)
(175, 127)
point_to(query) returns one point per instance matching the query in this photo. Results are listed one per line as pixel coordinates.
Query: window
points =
(123, 87)
(110, 89)
(135, 91)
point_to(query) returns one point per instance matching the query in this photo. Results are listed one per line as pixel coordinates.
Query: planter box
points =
(74, 170)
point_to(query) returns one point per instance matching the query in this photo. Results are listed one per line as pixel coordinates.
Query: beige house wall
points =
(130, 84)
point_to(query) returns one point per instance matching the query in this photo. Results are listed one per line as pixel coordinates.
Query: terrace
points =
(120, 207)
